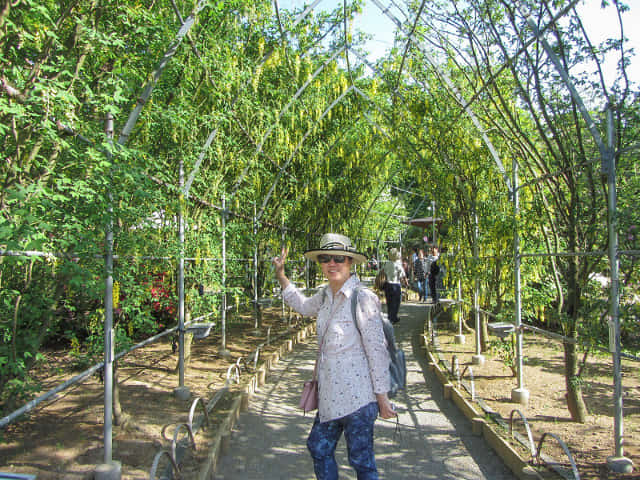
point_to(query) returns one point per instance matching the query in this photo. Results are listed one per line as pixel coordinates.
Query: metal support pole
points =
(433, 222)
(181, 391)
(256, 307)
(478, 358)
(307, 265)
(618, 462)
(223, 346)
(108, 314)
(459, 338)
(520, 394)
(282, 240)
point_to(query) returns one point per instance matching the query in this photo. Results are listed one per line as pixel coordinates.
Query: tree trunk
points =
(188, 340)
(120, 418)
(575, 402)
(484, 334)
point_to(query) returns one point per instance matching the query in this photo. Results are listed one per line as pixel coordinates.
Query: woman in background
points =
(396, 277)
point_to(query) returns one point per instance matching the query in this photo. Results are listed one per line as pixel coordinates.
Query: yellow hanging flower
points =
(116, 294)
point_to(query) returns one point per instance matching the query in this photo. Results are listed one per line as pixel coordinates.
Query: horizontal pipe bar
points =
(36, 401)
(72, 256)
(562, 338)
(72, 381)
(565, 254)
(90, 371)
(35, 253)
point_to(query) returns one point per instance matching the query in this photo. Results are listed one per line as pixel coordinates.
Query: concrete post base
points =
(459, 339)
(224, 353)
(520, 395)
(620, 464)
(182, 393)
(108, 471)
(478, 359)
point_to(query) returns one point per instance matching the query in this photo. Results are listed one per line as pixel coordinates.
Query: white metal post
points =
(478, 358)
(433, 222)
(181, 391)
(618, 462)
(256, 307)
(520, 394)
(223, 346)
(307, 265)
(108, 315)
(181, 277)
(283, 240)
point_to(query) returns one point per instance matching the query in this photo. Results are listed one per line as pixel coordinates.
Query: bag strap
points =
(354, 304)
(387, 328)
(324, 334)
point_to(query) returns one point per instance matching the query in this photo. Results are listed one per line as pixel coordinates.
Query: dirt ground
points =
(590, 443)
(64, 439)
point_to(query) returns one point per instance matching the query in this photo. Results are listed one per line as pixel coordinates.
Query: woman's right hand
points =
(385, 406)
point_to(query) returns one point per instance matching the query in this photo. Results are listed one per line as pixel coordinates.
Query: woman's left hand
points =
(385, 407)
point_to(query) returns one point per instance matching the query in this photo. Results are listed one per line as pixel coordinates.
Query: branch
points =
(11, 91)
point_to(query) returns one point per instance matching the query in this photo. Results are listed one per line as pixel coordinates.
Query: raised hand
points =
(279, 262)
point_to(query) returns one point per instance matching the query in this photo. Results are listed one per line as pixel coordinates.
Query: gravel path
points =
(434, 441)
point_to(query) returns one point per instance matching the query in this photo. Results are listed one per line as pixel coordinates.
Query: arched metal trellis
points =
(605, 146)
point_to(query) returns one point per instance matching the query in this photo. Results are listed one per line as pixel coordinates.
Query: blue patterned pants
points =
(358, 432)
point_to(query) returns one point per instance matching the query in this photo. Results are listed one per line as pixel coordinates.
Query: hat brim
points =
(357, 257)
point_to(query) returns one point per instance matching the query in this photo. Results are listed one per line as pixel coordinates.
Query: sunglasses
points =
(327, 258)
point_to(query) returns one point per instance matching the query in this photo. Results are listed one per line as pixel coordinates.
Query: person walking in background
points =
(352, 366)
(412, 262)
(434, 270)
(420, 274)
(396, 277)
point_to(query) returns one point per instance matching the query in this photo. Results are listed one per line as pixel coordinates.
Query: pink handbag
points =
(309, 398)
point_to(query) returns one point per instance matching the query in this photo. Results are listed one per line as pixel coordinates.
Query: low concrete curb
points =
(480, 427)
(241, 400)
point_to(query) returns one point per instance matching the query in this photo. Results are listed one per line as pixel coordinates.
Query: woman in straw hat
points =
(352, 368)
(396, 277)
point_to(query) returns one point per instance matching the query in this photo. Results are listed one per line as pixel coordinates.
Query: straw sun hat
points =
(336, 244)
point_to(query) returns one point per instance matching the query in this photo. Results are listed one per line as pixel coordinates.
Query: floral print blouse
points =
(352, 368)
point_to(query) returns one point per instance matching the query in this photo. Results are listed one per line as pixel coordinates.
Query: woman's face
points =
(337, 273)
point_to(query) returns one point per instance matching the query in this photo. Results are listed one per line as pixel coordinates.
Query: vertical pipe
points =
(282, 246)
(255, 268)
(181, 278)
(459, 307)
(476, 282)
(614, 306)
(306, 268)
(224, 272)
(478, 358)
(520, 394)
(108, 313)
(433, 222)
